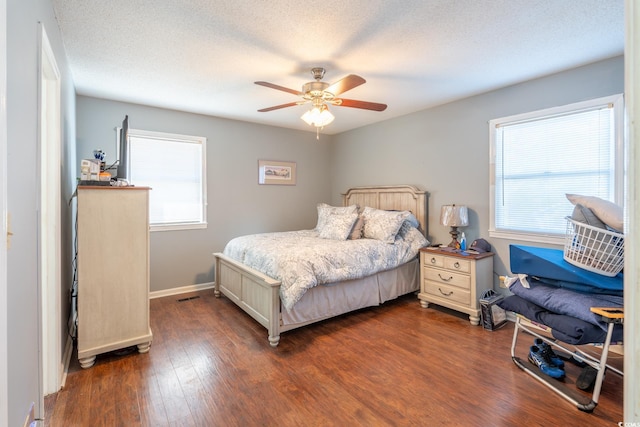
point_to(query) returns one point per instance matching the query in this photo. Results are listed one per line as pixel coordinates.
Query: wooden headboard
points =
(391, 197)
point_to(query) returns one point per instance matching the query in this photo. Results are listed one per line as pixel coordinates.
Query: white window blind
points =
(539, 157)
(174, 167)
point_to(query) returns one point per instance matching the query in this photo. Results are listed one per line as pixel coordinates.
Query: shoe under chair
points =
(543, 361)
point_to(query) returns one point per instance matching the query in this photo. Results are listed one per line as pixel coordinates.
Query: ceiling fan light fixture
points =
(318, 116)
(319, 94)
(308, 117)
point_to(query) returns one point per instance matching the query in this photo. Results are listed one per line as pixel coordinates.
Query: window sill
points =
(176, 227)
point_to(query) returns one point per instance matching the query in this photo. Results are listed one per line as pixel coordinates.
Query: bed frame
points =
(259, 295)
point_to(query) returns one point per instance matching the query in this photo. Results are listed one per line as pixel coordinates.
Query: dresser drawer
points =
(452, 293)
(447, 277)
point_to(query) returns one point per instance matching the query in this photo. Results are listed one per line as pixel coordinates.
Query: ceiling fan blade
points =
(345, 84)
(282, 88)
(362, 104)
(277, 107)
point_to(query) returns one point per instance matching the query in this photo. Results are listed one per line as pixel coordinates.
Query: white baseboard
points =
(181, 290)
(68, 349)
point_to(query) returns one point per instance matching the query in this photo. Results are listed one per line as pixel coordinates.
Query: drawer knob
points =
(447, 294)
(433, 260)
(457, 264)
(444, 278)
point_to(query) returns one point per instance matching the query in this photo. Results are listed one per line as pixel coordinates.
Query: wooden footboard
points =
(254, 292)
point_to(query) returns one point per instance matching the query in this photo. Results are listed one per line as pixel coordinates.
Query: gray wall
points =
(237, 204)
(23, 45)
(445, 150)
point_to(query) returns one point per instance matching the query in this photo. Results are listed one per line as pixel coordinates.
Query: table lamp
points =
(454, 216)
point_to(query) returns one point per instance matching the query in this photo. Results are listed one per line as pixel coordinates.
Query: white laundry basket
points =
(594, 249)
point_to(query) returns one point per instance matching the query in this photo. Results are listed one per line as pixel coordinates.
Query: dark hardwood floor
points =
(394, 365)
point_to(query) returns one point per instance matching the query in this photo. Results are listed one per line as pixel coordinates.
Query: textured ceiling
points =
(203, 56)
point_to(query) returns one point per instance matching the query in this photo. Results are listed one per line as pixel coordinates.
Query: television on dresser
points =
(122, 169)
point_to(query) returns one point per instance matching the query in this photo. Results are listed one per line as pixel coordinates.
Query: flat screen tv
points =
(122, 171)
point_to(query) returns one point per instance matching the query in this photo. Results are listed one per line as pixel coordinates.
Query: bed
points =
(569, 309)
(261, 295)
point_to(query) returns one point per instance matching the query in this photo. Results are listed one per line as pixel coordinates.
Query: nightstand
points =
(456, 281)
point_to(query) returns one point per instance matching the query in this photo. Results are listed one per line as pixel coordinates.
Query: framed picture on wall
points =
(275, 172)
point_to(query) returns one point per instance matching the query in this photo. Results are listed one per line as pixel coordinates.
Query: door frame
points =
(49, 221)
(4, 351)
(632, 240)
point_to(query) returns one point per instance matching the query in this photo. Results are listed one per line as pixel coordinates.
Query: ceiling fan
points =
(320, 94)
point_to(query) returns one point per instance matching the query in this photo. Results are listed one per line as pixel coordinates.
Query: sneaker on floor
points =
(537, 357)
(548, 353)
(587, 378)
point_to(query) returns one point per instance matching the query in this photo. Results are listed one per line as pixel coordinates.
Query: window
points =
(174, 167)
(538, 157)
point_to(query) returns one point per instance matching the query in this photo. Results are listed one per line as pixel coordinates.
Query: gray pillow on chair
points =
(586, 216)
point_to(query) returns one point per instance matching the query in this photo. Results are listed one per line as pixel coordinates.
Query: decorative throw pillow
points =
(608, 212)
(356, 231)
(382, 225)
(324, 210)
(338, 226)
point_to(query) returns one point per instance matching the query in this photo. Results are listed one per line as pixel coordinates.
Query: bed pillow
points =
(324, 210)
(412, 235)
(338, 226)
(411, 219)
(608, 212)
(382, 225)
(356, 231)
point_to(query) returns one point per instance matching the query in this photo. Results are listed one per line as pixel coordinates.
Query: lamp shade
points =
(454, 216)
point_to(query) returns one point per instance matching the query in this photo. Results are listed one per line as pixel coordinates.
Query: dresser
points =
(454, 280)
(113, 270)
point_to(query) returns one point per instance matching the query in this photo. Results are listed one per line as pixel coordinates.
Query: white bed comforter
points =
(301, 260)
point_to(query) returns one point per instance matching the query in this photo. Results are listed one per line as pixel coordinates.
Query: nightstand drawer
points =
(447, 277)
(431, 260)
(452, 293)
(457, 264)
